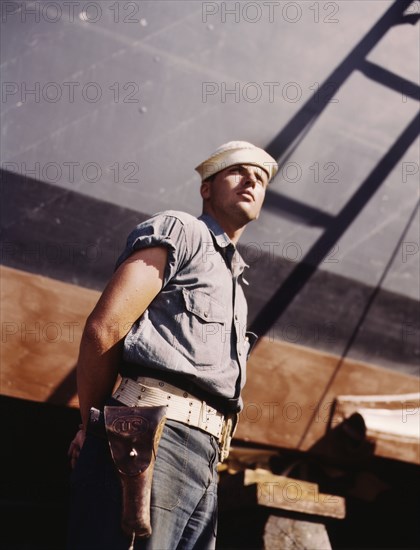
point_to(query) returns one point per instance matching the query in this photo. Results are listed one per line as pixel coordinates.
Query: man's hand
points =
(76, 446)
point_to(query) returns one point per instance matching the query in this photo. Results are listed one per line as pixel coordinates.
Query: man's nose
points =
(250, 179)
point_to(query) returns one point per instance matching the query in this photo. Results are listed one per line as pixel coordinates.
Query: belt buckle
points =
(228, 431)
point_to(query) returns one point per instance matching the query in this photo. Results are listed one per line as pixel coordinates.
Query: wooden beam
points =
(292, 534)
(392, 422)
(286, 402)
(288, 395)
(262, 488)
(42, 323)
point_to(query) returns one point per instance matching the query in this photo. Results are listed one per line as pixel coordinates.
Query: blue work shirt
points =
(196, 325)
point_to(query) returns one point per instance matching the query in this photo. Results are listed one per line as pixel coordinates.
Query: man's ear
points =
(205, 189)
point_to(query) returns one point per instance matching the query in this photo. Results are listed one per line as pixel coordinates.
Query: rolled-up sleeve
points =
(160, 230)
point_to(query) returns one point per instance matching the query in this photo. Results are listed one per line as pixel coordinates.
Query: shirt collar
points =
(223, 241)
(219, 235)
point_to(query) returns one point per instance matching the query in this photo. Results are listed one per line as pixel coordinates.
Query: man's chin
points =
(250, 210)
(248, 216)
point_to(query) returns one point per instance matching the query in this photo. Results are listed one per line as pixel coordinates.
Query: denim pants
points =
(184, 495)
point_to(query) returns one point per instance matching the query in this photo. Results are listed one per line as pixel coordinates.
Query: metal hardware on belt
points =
(181, 406)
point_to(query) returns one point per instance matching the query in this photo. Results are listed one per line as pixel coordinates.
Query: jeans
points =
(184, 495)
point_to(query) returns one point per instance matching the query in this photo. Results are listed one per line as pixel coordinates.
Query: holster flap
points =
(133, 435)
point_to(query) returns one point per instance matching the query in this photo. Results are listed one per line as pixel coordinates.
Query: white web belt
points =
(181, 405)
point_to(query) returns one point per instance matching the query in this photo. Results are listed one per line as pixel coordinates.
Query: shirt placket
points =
(236, 271)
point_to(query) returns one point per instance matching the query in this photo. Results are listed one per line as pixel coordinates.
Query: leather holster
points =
(133, 435)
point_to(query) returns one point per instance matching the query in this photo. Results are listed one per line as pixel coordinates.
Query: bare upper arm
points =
(130, 291)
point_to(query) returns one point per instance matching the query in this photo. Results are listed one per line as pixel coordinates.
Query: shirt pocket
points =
(202, 330)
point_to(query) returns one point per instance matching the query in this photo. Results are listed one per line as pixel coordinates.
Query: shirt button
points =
(239, 353)
(206, 314)
(236, 317)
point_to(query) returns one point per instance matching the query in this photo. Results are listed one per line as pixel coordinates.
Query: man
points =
(172, 323)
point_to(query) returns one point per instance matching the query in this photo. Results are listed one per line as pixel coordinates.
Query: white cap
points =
(237, 152)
